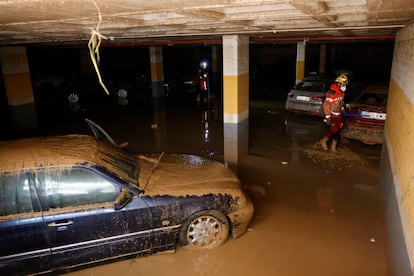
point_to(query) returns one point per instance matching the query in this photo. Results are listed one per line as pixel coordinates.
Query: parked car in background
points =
(82, 91)
(71, 91)
(364, 117)
(308, 95)
(75, 200)
(186, 84)
(46, 88)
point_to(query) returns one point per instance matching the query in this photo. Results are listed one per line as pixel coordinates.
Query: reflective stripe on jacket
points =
(334, 101)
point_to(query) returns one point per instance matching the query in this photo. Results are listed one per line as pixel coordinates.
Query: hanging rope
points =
(94, 44)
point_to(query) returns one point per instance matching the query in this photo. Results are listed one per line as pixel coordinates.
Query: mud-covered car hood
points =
(185, 175)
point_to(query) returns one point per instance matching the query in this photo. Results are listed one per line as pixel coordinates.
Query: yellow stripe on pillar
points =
(18, 86)
(157, 71)
(300, 60)
(300, 70)
(236, 100)
(400, 129)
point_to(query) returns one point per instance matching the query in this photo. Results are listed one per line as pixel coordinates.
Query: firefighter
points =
(333, 106)
(203, 72)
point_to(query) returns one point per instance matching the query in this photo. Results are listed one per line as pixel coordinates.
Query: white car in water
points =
(308, 95)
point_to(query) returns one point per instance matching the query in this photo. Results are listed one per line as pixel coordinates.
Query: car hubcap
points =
(204, 231)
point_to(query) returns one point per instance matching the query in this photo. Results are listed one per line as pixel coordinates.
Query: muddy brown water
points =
(316, 213)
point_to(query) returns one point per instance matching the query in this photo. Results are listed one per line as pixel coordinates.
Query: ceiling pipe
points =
(351, 38)
(219, 41)
(252, 40)
(165, 43)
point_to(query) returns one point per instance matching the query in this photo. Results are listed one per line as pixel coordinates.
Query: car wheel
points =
(204, 230)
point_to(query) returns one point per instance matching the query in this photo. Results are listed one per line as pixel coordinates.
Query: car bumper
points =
(308, 108)
(364, 134)
(241, 218)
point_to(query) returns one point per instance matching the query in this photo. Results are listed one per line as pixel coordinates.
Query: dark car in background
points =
(68, 91)
(308, 95)
(364, 117)
(185, 84)
(79, 91)
(75, 200)
(82, 91)
(46, 88)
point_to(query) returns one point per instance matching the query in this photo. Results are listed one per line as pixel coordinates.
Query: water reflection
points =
(326, 198)
(302, 131)
(304, 128)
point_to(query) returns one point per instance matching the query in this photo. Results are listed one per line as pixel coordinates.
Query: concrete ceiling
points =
(145, 21)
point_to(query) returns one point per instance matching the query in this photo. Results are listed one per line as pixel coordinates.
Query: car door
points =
(82, 224)
(23, 239)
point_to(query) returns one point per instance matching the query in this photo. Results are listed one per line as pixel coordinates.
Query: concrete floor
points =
(317, 213)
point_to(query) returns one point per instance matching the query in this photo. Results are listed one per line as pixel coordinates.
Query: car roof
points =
(377, 89)
(60, 151)
(57, 151)
(325, 78)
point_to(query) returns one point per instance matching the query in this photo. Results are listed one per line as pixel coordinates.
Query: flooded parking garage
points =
(317, 213)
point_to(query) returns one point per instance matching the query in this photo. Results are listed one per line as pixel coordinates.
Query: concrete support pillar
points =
(157, 80)
(332, 49)
(235, 97)
(322, 58)
(300, 60)
(214, 67)
(397, 166)
(214, 64)
(19, 89)
(158, 94)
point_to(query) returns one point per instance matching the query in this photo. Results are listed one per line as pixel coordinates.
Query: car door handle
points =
(61, 225)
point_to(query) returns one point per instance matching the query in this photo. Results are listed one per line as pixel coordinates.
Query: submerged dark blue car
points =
(74, 200)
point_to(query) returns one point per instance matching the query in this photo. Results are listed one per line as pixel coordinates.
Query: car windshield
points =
(313, 86)
(373, 99)
(121, 163)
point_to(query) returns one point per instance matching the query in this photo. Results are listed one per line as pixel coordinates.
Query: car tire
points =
(204, 230)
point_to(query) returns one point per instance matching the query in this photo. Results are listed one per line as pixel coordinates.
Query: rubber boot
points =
(323, 142)
(333, 145)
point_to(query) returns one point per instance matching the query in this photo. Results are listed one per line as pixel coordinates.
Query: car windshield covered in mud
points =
(364, 117)
(75, 200)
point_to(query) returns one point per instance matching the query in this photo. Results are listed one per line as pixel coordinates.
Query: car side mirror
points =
(122, 199)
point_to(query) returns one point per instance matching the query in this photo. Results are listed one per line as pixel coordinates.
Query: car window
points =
(313, 86)
(75, 187)
(15, 197)
(123, 164)
(373, 99)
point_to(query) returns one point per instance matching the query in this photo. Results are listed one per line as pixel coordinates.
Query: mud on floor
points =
(330, 161)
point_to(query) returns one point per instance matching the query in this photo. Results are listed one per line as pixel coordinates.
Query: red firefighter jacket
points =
(334, 101)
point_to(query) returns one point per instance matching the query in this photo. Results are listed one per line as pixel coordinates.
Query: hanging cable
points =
(94, 44)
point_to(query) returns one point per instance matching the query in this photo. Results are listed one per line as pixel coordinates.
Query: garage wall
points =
(397, 166)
